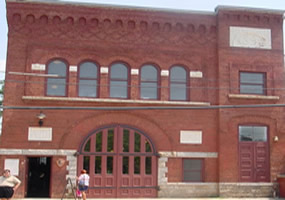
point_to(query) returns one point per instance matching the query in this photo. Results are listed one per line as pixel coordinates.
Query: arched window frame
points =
(123, 80)
(88, 79)
(57, 78)
(179, 82)
(156, 81)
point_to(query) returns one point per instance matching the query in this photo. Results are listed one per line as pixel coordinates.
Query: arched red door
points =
(121, 162)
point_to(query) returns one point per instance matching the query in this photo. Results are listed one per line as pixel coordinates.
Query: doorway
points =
(121, 162)
(254, 154)
(38, 177)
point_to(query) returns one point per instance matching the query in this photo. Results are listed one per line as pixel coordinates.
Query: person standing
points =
(8, 185)
(83, 183)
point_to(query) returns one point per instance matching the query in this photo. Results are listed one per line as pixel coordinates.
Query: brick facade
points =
(200, 42)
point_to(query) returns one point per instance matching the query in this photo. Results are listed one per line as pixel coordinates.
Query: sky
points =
(193, 5)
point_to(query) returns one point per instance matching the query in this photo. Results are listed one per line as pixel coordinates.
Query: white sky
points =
(195, 5)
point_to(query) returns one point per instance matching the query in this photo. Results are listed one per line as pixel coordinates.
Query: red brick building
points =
(151, 102)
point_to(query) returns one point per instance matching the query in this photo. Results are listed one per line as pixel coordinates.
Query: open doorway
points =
(39, 177)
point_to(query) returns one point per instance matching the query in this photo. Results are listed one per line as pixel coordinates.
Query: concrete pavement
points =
(212, 198)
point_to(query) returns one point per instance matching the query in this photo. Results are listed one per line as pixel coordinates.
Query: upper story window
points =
(252, 83)
(88, 80)
(149, 82)
(193, 170)
(56, 86)
(119, 79)
(178, 83)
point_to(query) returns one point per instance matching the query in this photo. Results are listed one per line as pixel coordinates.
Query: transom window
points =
(252, 83)
(88, 80)
(178, 83)
(56, 86)
(119, 78)
(253, 133)
(149, 82)
(193, 170)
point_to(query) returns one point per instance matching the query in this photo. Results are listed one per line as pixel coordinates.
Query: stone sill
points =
(253, 97)
(246, 184)
(191, 183)
(78, 99)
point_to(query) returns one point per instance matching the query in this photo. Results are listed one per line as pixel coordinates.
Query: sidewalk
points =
(213, 198)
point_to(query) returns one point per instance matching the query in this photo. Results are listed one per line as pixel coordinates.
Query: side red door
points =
(121, 161)
(254, 154)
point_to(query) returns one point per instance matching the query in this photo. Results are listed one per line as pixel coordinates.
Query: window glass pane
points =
(192, 176)
(251, 89)
(252, 83)
(88, 88)
(87, 146)
(148, 165)
(86, 163)
(110, 147)
(178, 74)
(137, 165)
(253, 78)
(98, 165)
(148, 73)
(57, 67)
(119, 71)
(56, 86)
(177, 91)
(260, 133)
(147, 147)
(125, 164)
(88, 70)
(245, 133)
(119, 89)
(192, 170)
(148, 90)
(99, 142)
(126, 137)
(109, 164)
(192, 164)
(137, 142)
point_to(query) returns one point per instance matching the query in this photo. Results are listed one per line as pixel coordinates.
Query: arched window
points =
(119, 78)
(178, 83)
(56, 86)
(88, 80)
(149, 82)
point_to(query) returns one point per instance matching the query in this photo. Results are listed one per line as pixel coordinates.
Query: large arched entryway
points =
(121, 162)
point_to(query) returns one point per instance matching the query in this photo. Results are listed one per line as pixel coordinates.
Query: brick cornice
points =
(110, 24)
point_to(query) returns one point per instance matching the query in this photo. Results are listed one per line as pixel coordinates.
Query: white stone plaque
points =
(191, 137)
(40, 134)
(104, 70)
(134, 72)
(12, 165)
(164, 73)
(196, 74)
(246, 37)
(73, 68)
(40, 67)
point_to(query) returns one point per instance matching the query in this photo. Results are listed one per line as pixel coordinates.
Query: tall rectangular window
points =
(252, 83)
(88, 80)
(193, 170)
(178, 84)
(149, 82)
(119, 79)
(56, 86)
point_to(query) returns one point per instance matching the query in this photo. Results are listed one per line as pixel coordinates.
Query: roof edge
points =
(143, 8)
(249, 9)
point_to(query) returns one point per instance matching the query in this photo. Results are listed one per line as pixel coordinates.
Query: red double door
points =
(121, 162)
(254, 162)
